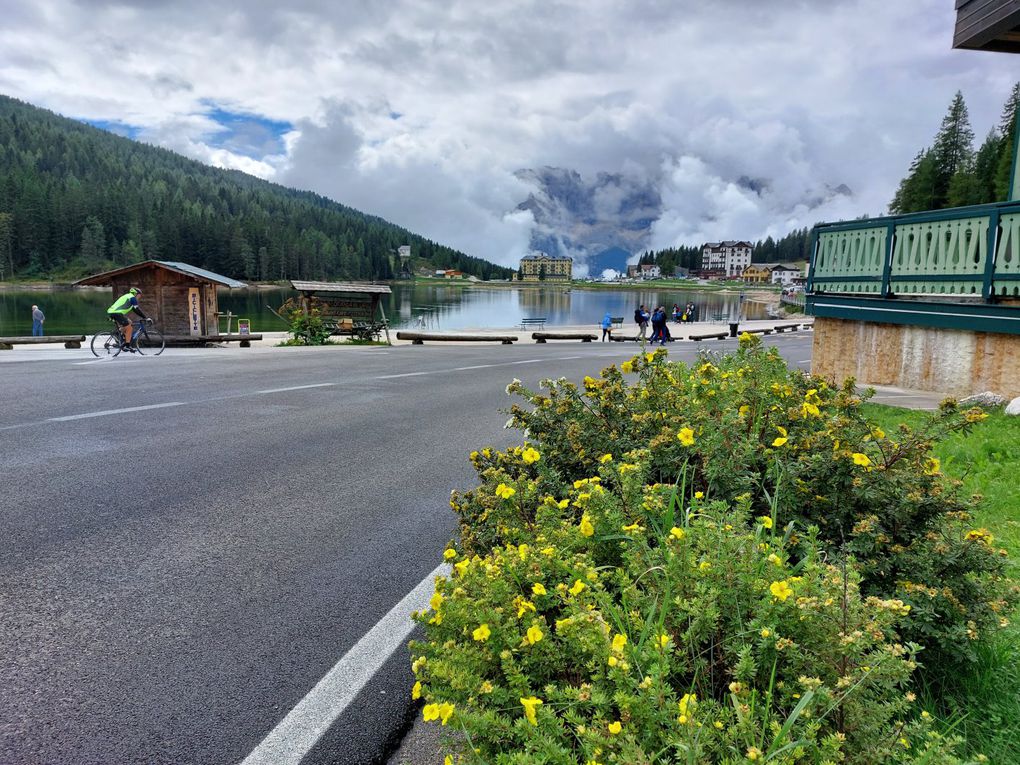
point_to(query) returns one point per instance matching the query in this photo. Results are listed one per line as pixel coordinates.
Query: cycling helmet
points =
(135, 291)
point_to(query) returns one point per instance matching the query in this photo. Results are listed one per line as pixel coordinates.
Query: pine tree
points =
(1007, 128)
(953, 150)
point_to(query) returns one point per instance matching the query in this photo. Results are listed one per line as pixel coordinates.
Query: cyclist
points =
(118, 312)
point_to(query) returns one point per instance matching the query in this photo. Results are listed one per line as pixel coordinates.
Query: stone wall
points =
(954, 362)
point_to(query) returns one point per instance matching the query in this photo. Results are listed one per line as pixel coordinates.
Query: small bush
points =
(306, 327)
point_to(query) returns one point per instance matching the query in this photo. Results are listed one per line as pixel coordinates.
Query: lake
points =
(437, 306)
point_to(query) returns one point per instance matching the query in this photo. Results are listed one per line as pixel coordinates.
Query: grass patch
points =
(983, 706)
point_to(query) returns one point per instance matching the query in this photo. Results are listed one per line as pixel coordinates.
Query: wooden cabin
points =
(181, 298)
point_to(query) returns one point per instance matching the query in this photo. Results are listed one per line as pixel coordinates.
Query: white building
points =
(785, 273)
(650, 271)
(730, 257)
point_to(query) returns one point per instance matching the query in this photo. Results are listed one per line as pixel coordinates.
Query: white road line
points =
(461, 369)
(407, 374)
(300, 730)
(109, 412)
(295, 387)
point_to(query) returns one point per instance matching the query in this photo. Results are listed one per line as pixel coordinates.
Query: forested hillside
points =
(76, 200)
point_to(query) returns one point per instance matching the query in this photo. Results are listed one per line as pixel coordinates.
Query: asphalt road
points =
(176, 577)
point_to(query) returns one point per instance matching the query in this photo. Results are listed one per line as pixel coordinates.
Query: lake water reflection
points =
(434, 305)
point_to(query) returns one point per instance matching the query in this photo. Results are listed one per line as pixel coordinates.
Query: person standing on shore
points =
(641, 316)
(38, 317)
(607, 327)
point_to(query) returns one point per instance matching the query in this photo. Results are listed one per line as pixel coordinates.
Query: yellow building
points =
(757, 273)
(539, 267)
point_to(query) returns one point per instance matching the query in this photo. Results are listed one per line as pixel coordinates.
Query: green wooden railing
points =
(971, 252)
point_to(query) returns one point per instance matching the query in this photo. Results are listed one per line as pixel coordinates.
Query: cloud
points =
(741, 115)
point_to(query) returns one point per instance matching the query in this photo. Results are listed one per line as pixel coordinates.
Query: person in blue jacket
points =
(607, 327)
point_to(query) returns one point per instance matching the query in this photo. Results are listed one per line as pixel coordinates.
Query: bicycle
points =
(145, 339)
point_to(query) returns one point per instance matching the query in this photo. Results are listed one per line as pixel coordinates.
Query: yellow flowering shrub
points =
(802, 450)
(670, 643)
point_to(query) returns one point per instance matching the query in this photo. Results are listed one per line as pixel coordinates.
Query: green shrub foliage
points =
(718, 563)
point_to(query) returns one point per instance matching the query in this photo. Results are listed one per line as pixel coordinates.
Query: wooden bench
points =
(758, 331)
(419, 338)
(584, 337)
(710, 336)
(359, 330)
(69, 341)
(623, 338)
(784, 327)
(536, 322)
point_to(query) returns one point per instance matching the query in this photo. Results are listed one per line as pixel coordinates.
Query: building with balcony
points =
(540, 267)
(730, 257)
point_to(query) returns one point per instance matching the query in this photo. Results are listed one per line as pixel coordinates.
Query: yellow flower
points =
(531, 704)
(563, 504)
(481, 634)
(687, 702)
(615, 727)
(416, 690)
(619, 641)
(979, 535)
(613, 661)
(533, 635)
(663, 641)
(505, 491)
(538, 588)
(627, 467)
(744, 409)
(765, 521)
(877, 433)
(523, 606)
(530, 456)
(462, 566)
(766, 633)
(606, 458)
(627, 367)
(685, 436)
(718, 724)
(586, 528)
(448, 760)
(449, 554)
(430, 712)
(861, 459)
(780, 590)
(436, 601)
(632, 527)
(441, 712)
(650, 357)
(699, 495)
(775, 559)
(753, 753)
(932, 465)
(578, 587)
(704, 566)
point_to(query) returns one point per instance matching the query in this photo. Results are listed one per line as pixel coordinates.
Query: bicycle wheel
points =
(150, 342)
(106, 343)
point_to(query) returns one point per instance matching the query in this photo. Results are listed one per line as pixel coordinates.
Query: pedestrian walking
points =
(641, 317)
(607, 327)
(38, 317)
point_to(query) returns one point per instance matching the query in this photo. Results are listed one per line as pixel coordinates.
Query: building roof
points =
(727, 243)
(545, 256)
(365, 287)
(182, 268)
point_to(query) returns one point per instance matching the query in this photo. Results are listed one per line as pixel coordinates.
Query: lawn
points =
(983, 707)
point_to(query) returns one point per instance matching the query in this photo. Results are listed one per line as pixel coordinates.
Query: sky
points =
(744, 116)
